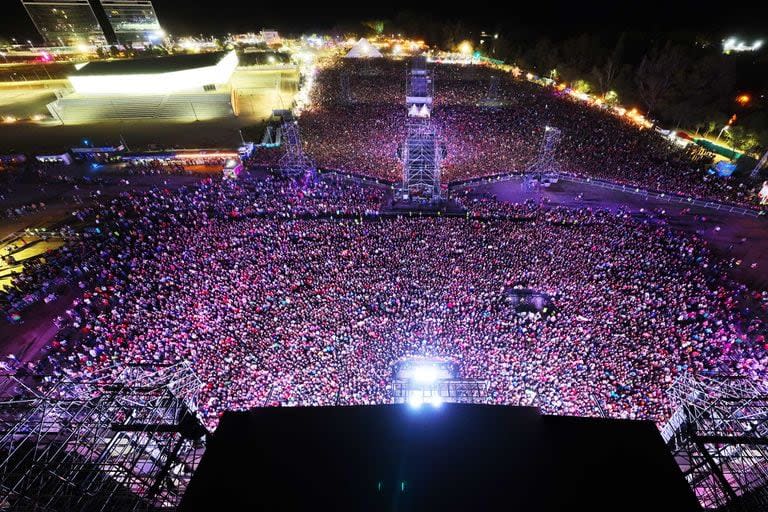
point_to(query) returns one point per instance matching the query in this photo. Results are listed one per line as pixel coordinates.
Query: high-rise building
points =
(133, 21)
(65, 22)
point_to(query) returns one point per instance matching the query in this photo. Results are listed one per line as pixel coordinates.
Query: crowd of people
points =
(359, 128)
(299, 292)
(276, 300)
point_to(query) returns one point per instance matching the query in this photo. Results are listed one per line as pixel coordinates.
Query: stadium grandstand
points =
(179, 87)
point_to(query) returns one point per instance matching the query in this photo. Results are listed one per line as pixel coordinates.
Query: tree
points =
(657, 74)
(605, 75)
(742, 139)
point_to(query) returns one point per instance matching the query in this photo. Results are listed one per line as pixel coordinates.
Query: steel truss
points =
(345, 91)
(422, 151)
(294, 163)
(422, 157)
(492, 97)
(128, 439)
(718, 434)
(445, 390)
(545, 163)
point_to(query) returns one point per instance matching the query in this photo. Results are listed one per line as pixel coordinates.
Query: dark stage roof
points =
(150, 65)
(455, 457)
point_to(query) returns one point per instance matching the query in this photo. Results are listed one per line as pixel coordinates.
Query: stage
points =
(451, 457)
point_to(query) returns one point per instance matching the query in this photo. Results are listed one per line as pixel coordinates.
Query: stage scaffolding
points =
(545, 164)
(443, 390)
(345, 90)
(294, 163)
(718, 434)
(422, 151)
(492, 97)
(127, 439)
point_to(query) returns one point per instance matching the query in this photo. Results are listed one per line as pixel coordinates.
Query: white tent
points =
(363, 50)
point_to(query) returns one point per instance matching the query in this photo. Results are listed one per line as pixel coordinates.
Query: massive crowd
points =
(276, 299)
(282, 292)
(362, 131)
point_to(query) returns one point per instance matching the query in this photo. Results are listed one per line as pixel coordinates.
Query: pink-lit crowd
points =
(276, 300)
(362, 131)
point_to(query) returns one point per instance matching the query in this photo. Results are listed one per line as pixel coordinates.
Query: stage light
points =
(465, 48)
(436, 402)
(415, 401)
(425, 374)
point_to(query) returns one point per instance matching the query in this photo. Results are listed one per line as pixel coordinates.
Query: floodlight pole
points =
(756, 171)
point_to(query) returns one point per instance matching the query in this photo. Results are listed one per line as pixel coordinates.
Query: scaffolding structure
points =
(294, 163)
(440, 391)
(126, 439)
(545, 163)
(718, 434)
(759, 165)
(492, 97)
(422, 151)
(345, 91)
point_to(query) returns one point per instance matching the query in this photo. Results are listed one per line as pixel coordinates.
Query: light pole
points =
(725, 128)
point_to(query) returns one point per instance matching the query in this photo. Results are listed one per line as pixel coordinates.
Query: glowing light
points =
(83, 48)
(425, 374)
(192, 156)
(465, 48)
(415, 401)
(436, 401)
(743, 99)
(734, 45)
(156, 83)
(271, 59)
(397, 49)
(9, 119)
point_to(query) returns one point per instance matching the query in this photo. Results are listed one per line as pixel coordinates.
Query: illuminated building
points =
(65, 22)
(133, 21)
(178, 88)
(188, 73)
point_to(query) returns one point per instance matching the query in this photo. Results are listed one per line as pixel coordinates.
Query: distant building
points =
(271, 36)
(179, 88)
(133, 21)
(65, 22)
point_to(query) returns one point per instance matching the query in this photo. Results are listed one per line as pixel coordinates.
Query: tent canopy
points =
(363, 50)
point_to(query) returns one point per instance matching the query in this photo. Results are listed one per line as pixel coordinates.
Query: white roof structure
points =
(363, 50)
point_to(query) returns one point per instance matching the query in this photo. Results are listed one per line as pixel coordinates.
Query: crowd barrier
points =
(664, 196)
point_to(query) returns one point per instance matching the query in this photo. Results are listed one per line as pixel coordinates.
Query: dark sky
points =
(553, 17)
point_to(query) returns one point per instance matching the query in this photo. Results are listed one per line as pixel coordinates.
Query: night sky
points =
(555, 18)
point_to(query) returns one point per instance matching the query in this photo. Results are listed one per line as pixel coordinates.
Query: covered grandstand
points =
(180, 87)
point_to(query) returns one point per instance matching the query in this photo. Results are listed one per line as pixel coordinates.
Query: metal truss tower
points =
(294, 163)
(126, 439)
(760, 164)
(422, 156)
(545, 163)
(718, 434)
(492, 96)
(345, 91)
(422, 151)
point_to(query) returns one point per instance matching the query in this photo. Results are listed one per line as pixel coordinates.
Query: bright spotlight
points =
(436, 402)
(415, 401)
(425, 374)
